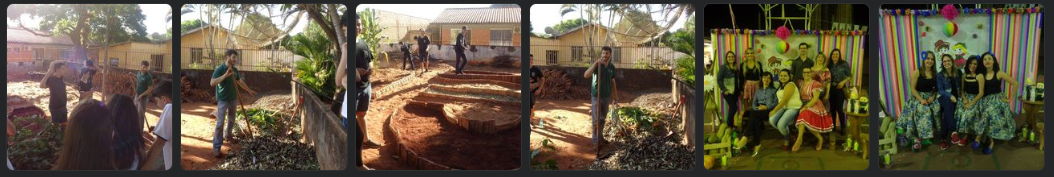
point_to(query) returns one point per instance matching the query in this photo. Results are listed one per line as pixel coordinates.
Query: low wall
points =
(628, 80)
(261, 82)
(323, 129)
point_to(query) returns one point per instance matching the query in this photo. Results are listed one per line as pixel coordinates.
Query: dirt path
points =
(196, 131)
(569, 126)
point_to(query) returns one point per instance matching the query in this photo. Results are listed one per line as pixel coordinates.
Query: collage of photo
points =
(524, 87)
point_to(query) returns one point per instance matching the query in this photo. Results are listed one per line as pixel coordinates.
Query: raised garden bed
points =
(426, 142)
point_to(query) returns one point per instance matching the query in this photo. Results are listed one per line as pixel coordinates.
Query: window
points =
(115, 61)
(616, 54)
(501, 37)
(576, 53)
(453, 36)
(67, 54)
(156, 61)
(196, 55)
(550, 57)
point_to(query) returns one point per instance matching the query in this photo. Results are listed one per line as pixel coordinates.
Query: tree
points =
(157, 37)
(566, 25)
(85, 24)
(315, 71)
(371, 30)
(190, 25)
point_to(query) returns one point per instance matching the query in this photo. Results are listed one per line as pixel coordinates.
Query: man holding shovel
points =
(224, 79)
(603, 74)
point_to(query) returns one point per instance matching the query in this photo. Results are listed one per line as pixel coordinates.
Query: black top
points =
(57, 89)
(926, 84)
(536, 76)
(423, 43)
(797, 65)
(363, 57)
(970, 85)
(459, 42)
(751, 74)
(405, 48)
(993, 86)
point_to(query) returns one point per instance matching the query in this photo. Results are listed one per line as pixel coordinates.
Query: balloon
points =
(782, 47)
(950, 29)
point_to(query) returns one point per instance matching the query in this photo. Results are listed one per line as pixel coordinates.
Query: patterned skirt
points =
(997, 121)
(816, 118)
(966, 118)
(919, 121)
(749, 88)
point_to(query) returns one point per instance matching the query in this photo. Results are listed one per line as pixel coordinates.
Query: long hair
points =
(128, 135)
(929, 56)
(790, 80)
(954, 71)
(733, 59)
(977, 61)
(995, 62)
(841, 59)
(88, 139)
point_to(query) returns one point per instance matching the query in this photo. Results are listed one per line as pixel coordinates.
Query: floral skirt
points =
(918, 121)
(997, 121)
(967, 117)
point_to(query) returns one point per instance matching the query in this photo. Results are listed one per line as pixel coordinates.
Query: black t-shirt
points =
(423, 42)
(460, 41)
(405, 48)
(57, 89)
(363, 57)
(536, 76)
(90, 73)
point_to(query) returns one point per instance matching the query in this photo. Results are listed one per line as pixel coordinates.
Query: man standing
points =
(143, 81)
(57, 89)
(802, 61)
(224, 78)
(537, 81)
(363, 57)
(422, 51)
(406, 55)
(459, 50)
(602, 90)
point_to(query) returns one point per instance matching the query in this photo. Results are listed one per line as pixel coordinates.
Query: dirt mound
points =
(427, 142)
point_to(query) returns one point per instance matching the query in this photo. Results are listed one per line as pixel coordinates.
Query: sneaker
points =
(955, 137)
(944, 146)
(916, 146)
(976, 145)
(371, 144)
(987, 150)
(217, 154)
(963, 141)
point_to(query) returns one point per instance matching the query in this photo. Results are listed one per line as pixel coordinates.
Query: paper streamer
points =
(851, 46)
(1014, 39)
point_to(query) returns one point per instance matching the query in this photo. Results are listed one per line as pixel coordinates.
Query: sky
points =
(547, 15)
(155, 18)
(427, 11)
(275, 15)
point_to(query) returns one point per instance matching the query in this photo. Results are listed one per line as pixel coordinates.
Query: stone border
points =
(509, 85)
(513, 94)
(504, 78)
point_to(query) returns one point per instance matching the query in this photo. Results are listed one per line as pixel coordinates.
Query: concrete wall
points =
(260, 82)
(322, 129)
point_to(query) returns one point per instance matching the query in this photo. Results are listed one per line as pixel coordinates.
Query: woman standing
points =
(968, 113)
(750, 72)
(762, 103)
(840, 75)
(814, 115)
(916, 120)
(997, 123)
(786, 110)
(727, 81)
(948, 86)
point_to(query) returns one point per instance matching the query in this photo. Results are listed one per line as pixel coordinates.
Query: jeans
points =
(460, 59)
(599, 115)
(733, 107)
(408, 59)
(140, 105)
(359, 136)
(783, 119)
(227, 110)
(836, 100)
(948, 121)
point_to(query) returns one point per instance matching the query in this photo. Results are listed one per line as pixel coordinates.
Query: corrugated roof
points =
(479, 15)
(24, 36)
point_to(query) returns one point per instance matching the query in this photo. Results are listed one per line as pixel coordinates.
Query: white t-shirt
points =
(9, 166)
(164, 131)
(344, 109)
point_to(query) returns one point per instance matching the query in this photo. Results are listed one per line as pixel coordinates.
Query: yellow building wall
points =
(480, 33)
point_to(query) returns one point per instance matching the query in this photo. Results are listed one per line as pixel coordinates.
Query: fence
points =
(687, 111)
(280, 60)
(160, 60)
(623, 57)
(323, 130)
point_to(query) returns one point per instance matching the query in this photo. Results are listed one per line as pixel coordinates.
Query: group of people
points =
(808, 96)
(422, 51)
(107, 136)
(951, 106)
